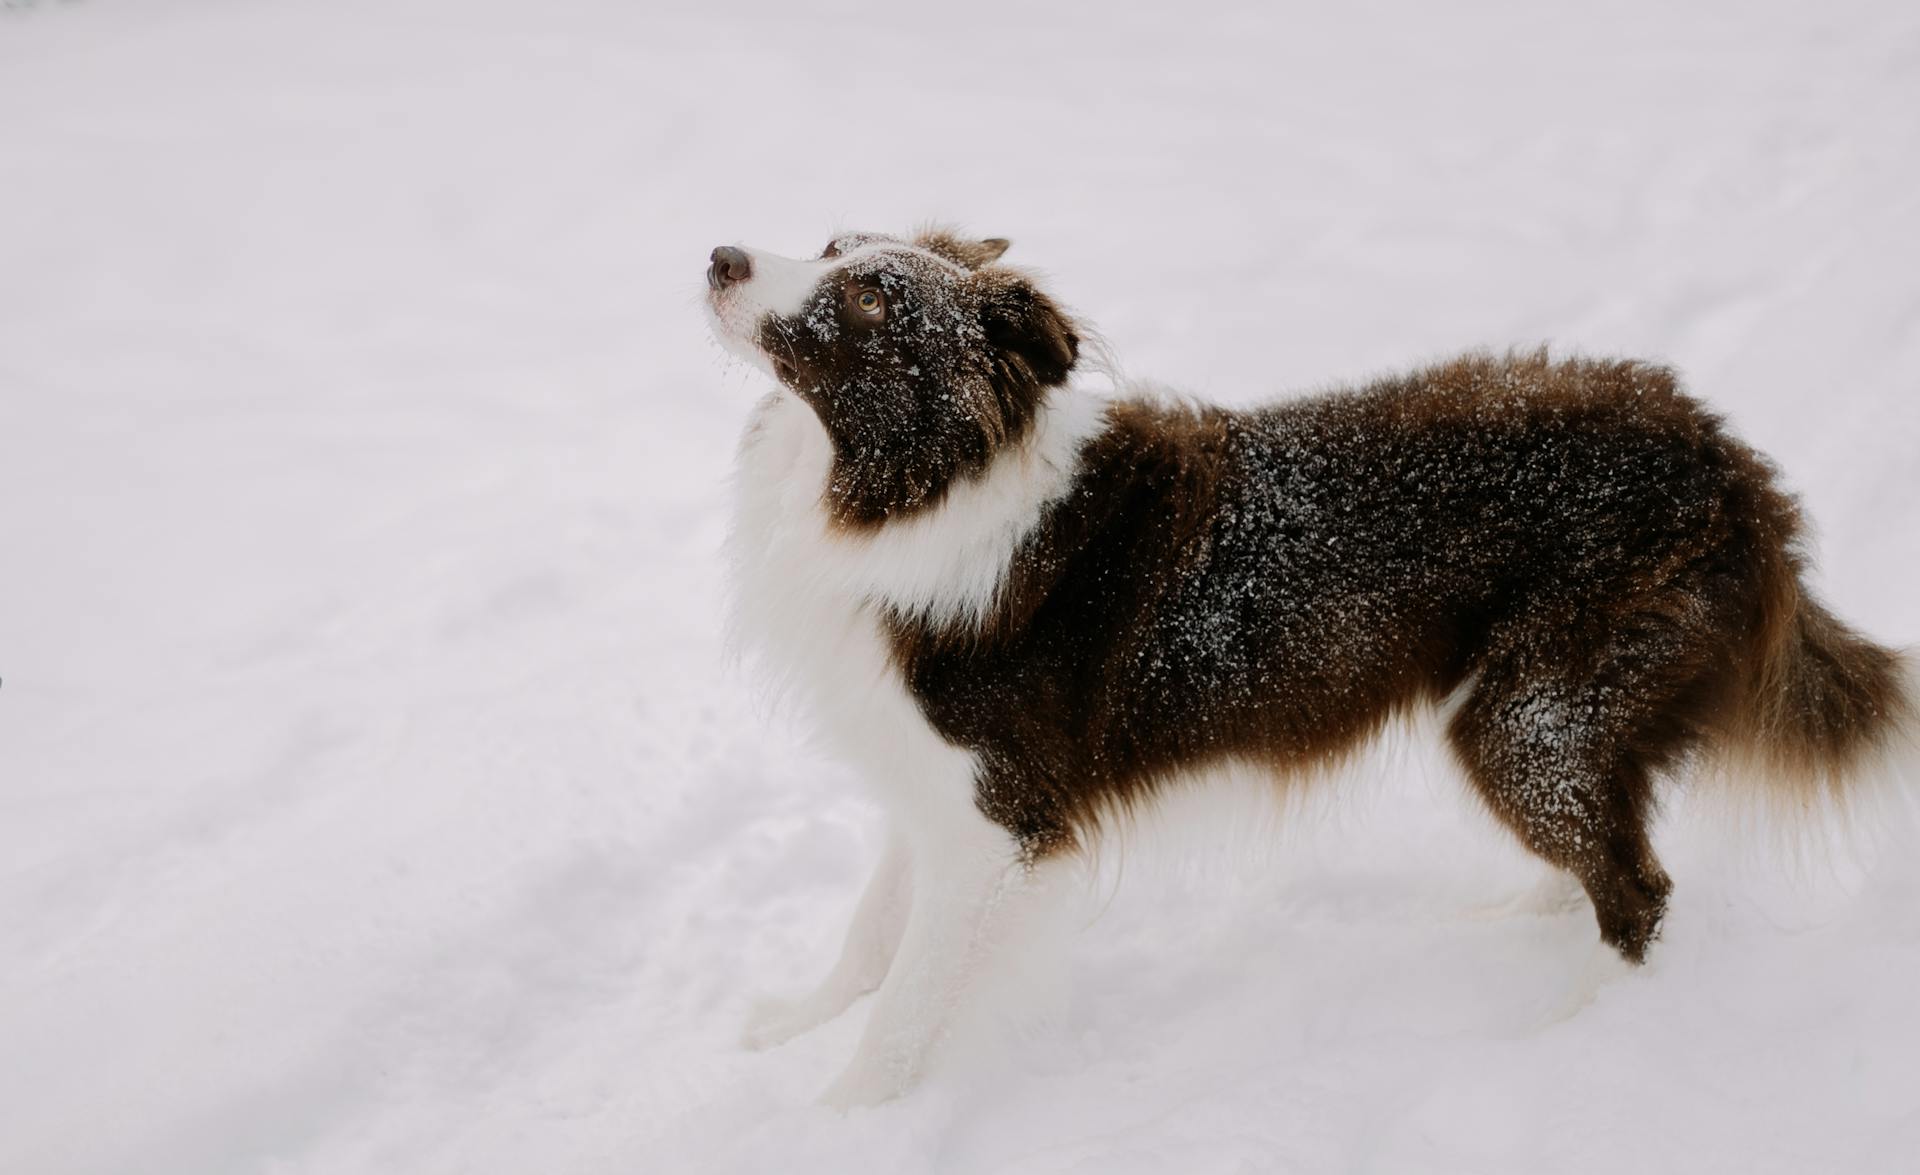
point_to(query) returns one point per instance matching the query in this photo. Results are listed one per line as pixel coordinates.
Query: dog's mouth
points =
(777, 347)
(739, 334)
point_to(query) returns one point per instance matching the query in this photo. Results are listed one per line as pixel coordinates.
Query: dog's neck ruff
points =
(945, 565)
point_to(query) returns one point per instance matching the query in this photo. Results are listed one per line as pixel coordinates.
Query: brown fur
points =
(949, 374)
(1581, 547)
(1575, 550)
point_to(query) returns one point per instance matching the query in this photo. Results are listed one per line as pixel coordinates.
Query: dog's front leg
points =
(969, 888)
(872, 939)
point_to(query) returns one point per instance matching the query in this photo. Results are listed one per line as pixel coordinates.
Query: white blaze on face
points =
(775, 285)
(783, 286)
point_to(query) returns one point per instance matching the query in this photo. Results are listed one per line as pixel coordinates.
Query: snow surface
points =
(373, 792)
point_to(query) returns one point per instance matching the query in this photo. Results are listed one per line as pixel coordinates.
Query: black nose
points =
(730, 265)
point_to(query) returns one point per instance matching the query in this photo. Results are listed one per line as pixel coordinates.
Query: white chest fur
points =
(807, 597)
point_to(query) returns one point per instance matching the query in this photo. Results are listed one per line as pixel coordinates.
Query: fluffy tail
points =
(1822, 708)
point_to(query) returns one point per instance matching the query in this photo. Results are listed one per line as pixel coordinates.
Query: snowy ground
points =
(373, 795)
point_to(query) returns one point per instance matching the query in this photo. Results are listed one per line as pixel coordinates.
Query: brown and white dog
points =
(1020, 608)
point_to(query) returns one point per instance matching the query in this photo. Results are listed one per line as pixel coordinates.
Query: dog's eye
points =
(870, 303)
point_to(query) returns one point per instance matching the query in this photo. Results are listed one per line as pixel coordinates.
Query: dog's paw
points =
(861, 1086)
(774, 1022)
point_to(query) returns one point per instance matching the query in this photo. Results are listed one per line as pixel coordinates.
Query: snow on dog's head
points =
(922, 359)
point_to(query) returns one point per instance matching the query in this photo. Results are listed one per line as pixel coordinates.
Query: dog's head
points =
(922, 358)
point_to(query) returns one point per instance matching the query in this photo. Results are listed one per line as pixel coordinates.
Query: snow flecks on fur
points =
(945, 566)
(1547, 745)
(921, 369)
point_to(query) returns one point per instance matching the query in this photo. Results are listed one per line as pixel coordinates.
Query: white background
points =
(373, 792)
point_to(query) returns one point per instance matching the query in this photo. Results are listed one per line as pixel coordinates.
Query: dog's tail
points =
(1824, 719)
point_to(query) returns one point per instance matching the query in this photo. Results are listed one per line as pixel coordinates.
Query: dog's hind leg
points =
(1561, 733)
(1576, 806)
(972, 889)
(872, 939)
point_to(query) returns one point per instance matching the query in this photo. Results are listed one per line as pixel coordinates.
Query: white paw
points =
(864, 1085)
(774, 1022)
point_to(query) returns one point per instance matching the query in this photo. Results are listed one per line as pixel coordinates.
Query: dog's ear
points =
(1030, 335)
(945, 242)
